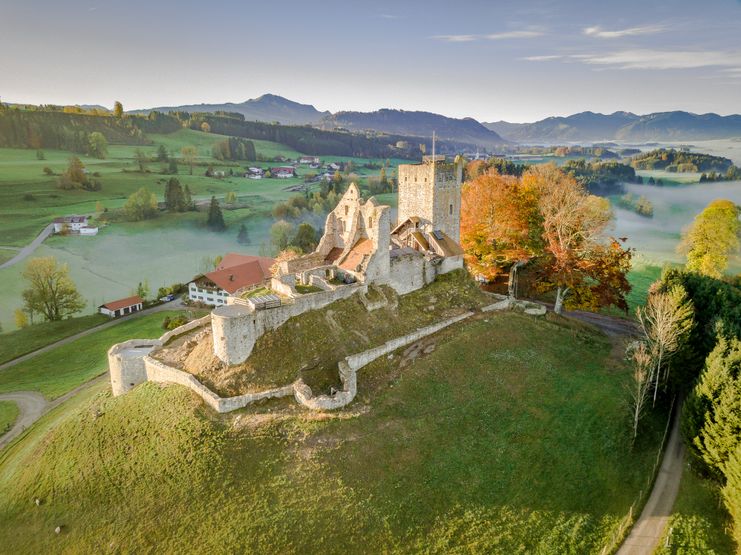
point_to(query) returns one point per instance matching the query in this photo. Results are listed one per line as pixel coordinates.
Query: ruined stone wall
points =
(415, 192)
(126, 363)
(237, 328)
(408, 273)
(450, 263)
(350, 365)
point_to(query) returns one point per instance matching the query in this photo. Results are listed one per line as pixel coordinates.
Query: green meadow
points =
(511, 436)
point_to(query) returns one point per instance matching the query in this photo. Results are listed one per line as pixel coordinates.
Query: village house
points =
(283, 172)
(310, 160)
(121, 307)
(74, 224)
(235, 274)
(254, 173)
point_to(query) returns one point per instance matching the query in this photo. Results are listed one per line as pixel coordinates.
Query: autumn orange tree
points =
(548, 217)
(578, 261)
(500, 224)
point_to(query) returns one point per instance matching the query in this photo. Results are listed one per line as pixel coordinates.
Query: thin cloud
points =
(546, 58)
(599, 32)
(388, 16)
(507, 35)
(662, 59)
(455, 38)
(514, 35)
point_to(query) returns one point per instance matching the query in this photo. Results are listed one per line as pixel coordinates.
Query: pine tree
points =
(243, 237)
(162, 153)
(732, 491)
(215, 221)
(174, 196)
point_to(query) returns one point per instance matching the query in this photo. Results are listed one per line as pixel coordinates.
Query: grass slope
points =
(60, 370)
(699, 523)
(510, 437)
(8, 414)
(17, 343)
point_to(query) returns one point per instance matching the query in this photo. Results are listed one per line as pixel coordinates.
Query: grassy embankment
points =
(510, 436)
(19, 342)
(699, 523)
(8, 414)
(60, 370)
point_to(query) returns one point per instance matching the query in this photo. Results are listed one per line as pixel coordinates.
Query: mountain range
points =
(621, 126)
(268, 107)
(584, 127)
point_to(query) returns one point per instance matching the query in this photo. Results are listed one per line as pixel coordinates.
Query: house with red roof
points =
(121, 307)
(235, 274)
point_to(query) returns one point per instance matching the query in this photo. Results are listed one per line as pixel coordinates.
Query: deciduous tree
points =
(712, 237)
(189, 154)
(118, 109)
(51, 292)
(97, 145)
(21, 318)
(140, 205)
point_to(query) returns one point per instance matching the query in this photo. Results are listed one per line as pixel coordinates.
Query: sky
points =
(492, 60)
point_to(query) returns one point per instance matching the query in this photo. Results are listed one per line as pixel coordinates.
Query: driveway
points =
(27, 251)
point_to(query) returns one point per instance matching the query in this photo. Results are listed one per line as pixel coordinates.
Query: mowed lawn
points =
(512, 436)
(60, 370)
(19, 342)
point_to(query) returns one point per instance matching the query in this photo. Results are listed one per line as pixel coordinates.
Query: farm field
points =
(510, 436)
(19, 342)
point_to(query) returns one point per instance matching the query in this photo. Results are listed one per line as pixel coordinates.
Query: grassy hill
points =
(503, 434)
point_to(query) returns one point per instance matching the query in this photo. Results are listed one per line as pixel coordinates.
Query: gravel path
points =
(648, 530)
(26, 251)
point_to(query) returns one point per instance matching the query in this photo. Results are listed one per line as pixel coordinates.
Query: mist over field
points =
(655, 239)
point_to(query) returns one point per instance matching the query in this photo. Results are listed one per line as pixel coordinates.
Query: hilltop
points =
(622, 126)
(505, 433)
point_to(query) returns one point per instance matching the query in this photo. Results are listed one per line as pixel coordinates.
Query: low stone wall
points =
(157, 371)
(236, 328)
(185, 328)
(350, 365)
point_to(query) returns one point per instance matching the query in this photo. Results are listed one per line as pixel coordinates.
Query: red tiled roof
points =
(235, 259)
(123, 303)
(235, 276)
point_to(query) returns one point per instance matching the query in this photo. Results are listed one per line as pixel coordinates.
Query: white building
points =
(121, 307)
(235, 273)
(70, 224)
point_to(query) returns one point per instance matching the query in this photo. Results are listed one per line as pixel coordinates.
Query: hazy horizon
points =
(507, 60)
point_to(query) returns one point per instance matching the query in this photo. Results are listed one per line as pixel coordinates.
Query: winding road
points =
(27, 251)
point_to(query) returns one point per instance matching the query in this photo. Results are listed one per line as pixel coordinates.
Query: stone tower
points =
(431, 191)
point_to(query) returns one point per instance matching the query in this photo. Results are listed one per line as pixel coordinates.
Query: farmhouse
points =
(283, 172)
(122, 307)
(309, 160)
(236, 274)
(254, 173)
(74, 224)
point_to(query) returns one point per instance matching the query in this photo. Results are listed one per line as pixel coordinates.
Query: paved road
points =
(26, 251)
(649, 529)
(173, 305)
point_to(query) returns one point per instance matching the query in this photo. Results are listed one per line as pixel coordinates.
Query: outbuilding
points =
(121, 307)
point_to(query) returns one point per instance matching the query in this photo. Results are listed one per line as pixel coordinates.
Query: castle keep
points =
(359, 248)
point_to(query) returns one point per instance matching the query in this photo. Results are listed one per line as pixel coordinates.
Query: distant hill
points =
(268, 107)
(419, 124)
(623, 126)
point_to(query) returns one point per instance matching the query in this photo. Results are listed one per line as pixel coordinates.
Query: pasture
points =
(511, 436)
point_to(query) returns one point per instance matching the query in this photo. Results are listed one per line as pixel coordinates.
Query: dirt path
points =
(174, 305)
(648, 530)
(26, 251)
(33, 405)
